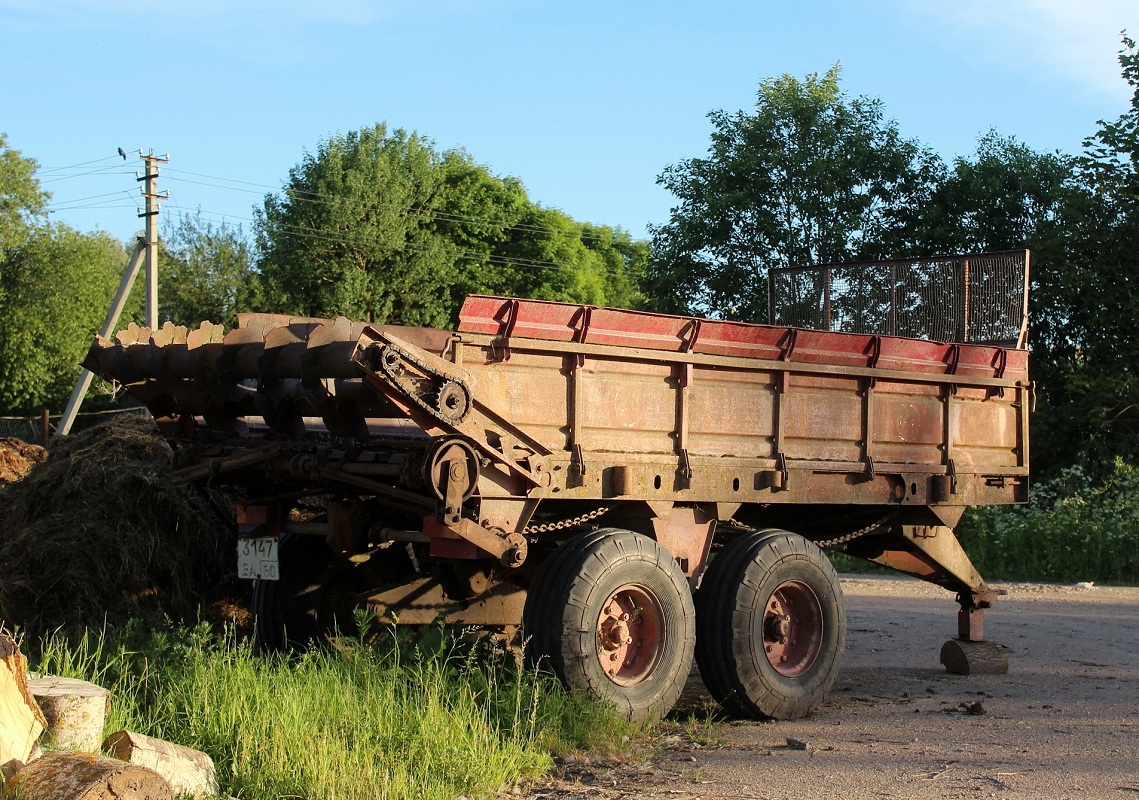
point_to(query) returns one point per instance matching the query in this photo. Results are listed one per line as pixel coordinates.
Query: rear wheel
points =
(317, 595)
(771, 626)
(611, 614)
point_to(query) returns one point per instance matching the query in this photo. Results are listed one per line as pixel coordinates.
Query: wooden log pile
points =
(66, 713)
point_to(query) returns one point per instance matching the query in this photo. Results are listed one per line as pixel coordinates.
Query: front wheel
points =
(611, 614)
(771, 626)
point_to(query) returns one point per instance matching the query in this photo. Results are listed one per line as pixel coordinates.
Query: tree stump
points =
(66, 775)
(76, 711)
(190, 772)
(21, 721)
(974, 658)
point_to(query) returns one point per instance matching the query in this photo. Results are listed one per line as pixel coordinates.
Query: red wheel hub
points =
(630, 635)
(792, 628)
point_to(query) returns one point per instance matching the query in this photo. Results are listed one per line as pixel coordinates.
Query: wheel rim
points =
(630, 635)
(792, 628)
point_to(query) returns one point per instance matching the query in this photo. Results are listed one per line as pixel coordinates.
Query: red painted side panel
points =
(537, 319)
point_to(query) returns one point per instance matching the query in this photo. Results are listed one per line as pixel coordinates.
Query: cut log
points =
(64, 775)
(76, 711)
(189, 771)
(974, 658)
(21, 721)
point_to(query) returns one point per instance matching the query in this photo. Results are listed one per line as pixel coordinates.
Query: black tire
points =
(314, 600)
(538, 628)
(771, 626)
(610, 613)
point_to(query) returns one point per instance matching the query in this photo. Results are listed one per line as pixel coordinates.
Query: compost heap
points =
(98, 532)
(17, 458)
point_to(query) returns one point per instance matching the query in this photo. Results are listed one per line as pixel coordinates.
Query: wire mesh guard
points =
(972, 298)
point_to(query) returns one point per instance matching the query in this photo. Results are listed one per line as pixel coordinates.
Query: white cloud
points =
(1061, 39)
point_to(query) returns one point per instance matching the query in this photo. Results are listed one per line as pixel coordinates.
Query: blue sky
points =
(586, 102)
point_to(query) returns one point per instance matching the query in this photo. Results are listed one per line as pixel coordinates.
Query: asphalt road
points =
(1063, 723)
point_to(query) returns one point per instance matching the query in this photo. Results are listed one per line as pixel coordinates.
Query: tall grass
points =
(1073, 529)
(358, 722)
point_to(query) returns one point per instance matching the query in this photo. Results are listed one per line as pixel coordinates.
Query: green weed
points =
(357, 722)
(1074, 529)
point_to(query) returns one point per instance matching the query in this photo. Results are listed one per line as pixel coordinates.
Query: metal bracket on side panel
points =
(577, 463)
(582, 332)
(500, 347)
(872, 362)
(779, 477)
(685, 469)
(999, 372)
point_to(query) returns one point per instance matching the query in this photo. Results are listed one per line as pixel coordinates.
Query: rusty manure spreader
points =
(615, 490)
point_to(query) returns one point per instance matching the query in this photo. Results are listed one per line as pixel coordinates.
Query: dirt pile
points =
(17, 458)
(97, 531)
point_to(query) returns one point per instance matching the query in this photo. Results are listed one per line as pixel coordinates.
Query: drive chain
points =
(546, 527)
(823, 544)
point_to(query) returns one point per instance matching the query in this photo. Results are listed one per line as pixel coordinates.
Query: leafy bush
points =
(1072, 530)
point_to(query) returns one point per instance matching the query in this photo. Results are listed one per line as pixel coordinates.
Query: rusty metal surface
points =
(618, 404)
(658, 423)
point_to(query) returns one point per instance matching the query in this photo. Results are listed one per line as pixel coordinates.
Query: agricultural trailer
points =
(614, 491)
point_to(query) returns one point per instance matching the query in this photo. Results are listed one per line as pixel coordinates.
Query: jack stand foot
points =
(974, 658)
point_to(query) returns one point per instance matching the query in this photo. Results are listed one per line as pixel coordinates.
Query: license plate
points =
(257, 559)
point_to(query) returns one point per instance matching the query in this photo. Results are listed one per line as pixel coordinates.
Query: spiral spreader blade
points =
(294, 374)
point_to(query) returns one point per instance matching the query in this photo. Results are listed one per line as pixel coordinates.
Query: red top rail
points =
(566, 322)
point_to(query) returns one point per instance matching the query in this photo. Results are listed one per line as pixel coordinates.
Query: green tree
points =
(206, 273)
(352, 232)
(23, 204)
(381, 226)
(1085, 350)
(551, 256)
(57, 286)
(1005, 196)
(811, 176)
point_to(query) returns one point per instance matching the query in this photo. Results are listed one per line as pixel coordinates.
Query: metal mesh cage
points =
(971, 298)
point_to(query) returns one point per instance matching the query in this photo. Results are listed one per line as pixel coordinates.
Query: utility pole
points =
(150, 192)
(145, 252)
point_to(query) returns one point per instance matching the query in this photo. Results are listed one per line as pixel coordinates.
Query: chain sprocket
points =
(453, 399)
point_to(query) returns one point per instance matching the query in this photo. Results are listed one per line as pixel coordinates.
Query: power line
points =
(74, 166)
(111, 170)
(101, 206)
(317, 234)
(92, 197)
(327, 199)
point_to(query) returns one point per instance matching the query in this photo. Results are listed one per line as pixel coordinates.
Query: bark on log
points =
(190, 772)
(21, 721)
(64, 775)
(76, 711)
(974, 658)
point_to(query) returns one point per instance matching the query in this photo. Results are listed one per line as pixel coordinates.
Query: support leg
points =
(969, 653)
